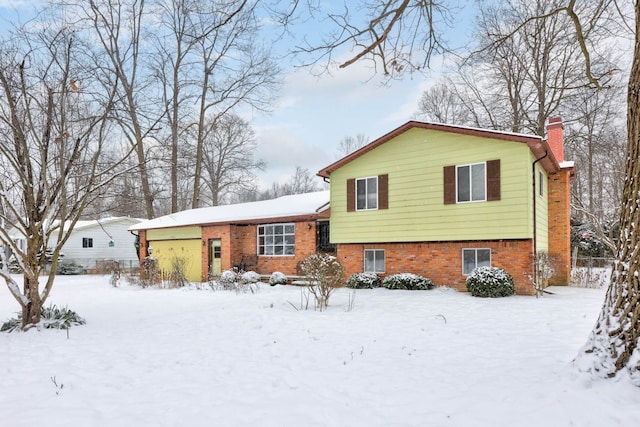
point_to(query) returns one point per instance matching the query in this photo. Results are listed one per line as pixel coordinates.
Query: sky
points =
(313, 114)
(196, 357)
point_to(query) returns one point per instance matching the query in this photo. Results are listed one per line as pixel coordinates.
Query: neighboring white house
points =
(94, 242)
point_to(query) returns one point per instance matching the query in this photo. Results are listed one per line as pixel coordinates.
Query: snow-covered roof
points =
(285, 206)
(567, 164)
(104, 221)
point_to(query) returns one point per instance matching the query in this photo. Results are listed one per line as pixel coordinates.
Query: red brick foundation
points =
(442, 261)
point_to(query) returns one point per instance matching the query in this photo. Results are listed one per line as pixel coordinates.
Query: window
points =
(367, 193)
(87, 242)
(471, 182)
(540, 183)
(374, 260)
(472, 258)
(276, 239)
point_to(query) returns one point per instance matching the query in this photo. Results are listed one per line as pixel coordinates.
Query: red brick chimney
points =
(555, 138)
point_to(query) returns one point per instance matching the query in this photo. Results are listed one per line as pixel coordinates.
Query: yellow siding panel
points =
(174, 233)
(414, 161)
(184, 252)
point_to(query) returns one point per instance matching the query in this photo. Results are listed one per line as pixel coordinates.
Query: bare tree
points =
(349, 144)
(302, 181)
(441, 103)
(52, 137)
(236, 69)
(228, 160)
(115, 31)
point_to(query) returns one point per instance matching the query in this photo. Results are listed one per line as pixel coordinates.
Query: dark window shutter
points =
(383, 191)
(449, 185)
(351, 195)
(493, 180)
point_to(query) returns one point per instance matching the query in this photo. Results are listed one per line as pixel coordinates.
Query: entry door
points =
(215, 255)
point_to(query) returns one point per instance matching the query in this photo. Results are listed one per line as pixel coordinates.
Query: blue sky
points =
(313, 114)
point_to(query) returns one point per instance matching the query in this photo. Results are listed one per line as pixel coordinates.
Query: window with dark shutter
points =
(351, 195)
(493, 180)
(449, 185)
(383, 191)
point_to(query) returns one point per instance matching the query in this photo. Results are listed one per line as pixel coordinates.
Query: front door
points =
(215, 255)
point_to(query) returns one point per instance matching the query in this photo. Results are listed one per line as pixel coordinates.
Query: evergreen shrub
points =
(277, 278)
(407, 281)
(364, 281)
(490, 282)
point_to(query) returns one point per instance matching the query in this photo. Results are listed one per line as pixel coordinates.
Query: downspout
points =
(535, 237)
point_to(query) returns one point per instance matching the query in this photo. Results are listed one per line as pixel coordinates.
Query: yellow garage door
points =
(183, 254)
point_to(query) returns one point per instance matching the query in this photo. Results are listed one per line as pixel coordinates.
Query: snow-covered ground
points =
(187, 357)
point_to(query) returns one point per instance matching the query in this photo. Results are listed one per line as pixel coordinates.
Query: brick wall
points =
(239, 240)
(442, 261)
(305, 246)
(560, 227)
(222, 232)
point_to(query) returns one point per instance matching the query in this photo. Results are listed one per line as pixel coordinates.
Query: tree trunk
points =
(31, 311)
(613, 341)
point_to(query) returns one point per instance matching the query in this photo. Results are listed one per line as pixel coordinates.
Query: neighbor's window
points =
(472, 258)
(374, 260)
(276, 239)
(87, 242)
(471, 182)
(367, 193)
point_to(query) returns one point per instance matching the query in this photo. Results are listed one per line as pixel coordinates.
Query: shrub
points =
(325, 274)
(407, 281)
(364, 281)
(240, 282)
(250, 277)
(490, 282)
(277, 278)
(228, 276)
(51, 317)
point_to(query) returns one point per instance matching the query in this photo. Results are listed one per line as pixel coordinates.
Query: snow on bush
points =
(407, 281)
(364, 281)
(490, 282)
(250, 277)
(277, 278)
(228, 276)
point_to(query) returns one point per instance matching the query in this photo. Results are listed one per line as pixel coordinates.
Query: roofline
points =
(253, 221)
(536, 143)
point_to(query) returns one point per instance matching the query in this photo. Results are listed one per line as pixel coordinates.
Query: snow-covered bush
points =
(228, 276)
(51, 317)
(407, 281)
(490, 282)
(364, 281)
(232, 280)
(250, 277)
(277, 278)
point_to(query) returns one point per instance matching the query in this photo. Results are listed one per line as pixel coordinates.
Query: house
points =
(94, 242)
(439, 200)
(265, 236)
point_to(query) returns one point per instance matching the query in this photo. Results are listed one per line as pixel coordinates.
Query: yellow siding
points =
(542, 212)
(174, 233)
(414, 161)
(185, 252)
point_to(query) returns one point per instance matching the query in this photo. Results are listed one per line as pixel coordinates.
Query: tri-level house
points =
(440, 200)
